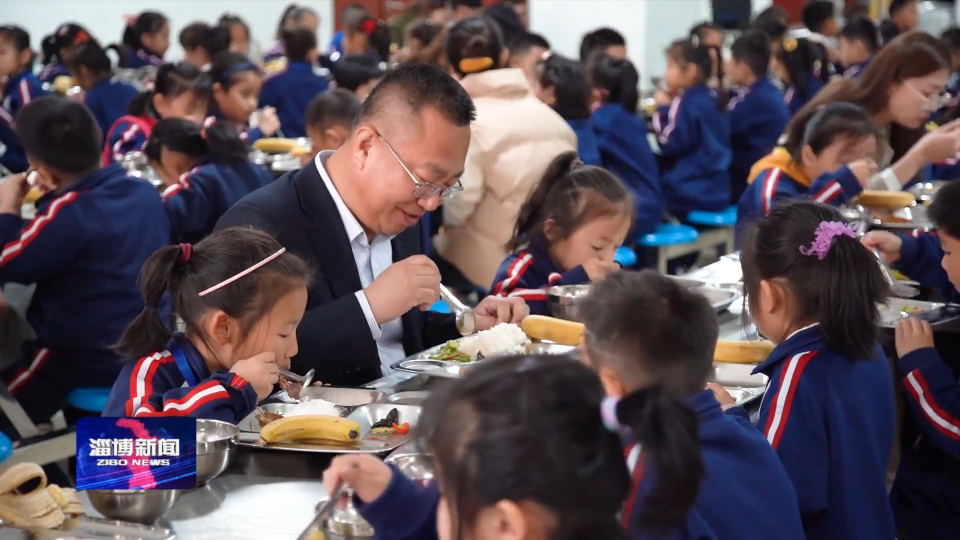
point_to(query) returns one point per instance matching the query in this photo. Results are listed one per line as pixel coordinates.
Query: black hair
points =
(67, 36)
(571, 194)
(832, 122)
(298, 43)
(472, 4)
(212, 39)
(571, 89)
(528, 429)
(218, 257)
(172, 80)
(60, 133)
(897, 5)
(227, 67)
(293, 13)
(219, 139)
(417, 87)
(856, 10)
(229, 19)
(337, 106)
(753, 49)
(691, 51)
(944, 211)
(522, 43)
(474, 38)
(424, 30)
(618, 78)
(700, 29)
(951, 38)
(841, 291)
(147, 22)
(600, 39)
(817, 13)
(352, 72)
(89, 54)
(862, 29)
(647, 327)
(800, 57)
(18, 37)
(773, 21)
(377, 33)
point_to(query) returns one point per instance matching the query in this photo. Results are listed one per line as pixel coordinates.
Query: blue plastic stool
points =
(6, 447)
(671, 241)
(625, 257)
(88, 399)
(440, 307)
(726, 218)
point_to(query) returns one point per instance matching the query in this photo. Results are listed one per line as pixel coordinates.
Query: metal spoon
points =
(466, 318)
(897, 288)
(304, 380)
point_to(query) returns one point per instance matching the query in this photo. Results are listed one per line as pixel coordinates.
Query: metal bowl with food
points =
(926, 191)
(216, 448)
(135, 505)
(562, 300)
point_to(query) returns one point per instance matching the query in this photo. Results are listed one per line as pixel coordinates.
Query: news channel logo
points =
(137, 453)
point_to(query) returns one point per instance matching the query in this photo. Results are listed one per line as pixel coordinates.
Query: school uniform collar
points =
(699, 88)
(351, 224)
(86, 183)
(855, 69)
(14, 81)
(542, 258)
(194, 358)
(805, 339)
(299, 66)
(149, 56)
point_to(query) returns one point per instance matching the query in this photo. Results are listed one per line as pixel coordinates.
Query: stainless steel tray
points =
(365, 415)
(732, 375)
(343, 397)
(422, 364)
(90, 528)
(744, 396)
(915, 216)
(897, 309)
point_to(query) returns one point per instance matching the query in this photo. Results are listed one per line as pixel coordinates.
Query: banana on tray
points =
(27, 501)
(298, 428)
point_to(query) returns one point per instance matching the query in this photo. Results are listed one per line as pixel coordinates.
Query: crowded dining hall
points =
(483, 269)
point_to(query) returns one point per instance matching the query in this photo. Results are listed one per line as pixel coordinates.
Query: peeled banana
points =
(553, 330)
(273, 145)
(298, 428)
(742, 352)
(42, 506)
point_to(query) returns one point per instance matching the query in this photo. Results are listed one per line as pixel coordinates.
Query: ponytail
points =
(529, 217)
(90, 55)
(692, 51)
(474, 45)
(619, 78)
(148, 333)
(218, 139)
(172, 80)
(49, 48)
(147, 22)
(668, 433)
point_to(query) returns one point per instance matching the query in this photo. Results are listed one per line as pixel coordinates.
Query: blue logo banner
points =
(137, 453)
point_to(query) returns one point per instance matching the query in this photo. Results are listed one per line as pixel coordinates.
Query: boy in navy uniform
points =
(93, 230)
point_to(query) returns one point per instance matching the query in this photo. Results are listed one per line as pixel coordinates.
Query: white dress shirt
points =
(372, 258)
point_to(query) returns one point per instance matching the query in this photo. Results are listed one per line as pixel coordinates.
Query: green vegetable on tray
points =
(451, 353)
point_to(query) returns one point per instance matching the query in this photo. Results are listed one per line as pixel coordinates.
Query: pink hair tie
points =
(250, 270)
(826, 232)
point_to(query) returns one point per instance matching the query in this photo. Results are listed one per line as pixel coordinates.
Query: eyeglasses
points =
(935, 101)
(425, 190)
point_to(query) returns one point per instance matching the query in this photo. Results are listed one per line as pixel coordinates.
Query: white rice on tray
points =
(502, 339)
(314, 407)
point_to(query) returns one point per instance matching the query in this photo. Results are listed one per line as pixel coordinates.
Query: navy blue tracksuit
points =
(51, 71)
(587, 147)
(795, 100)
(141, 58)
(108, 100)
(528, 273)
(177, 382)
(290, 92)
(12, 155)
(694, 138)
(624, 150)
(758, 117)
(831, 421)
(21, 89)
(84, 250)
(926, 493)
(128, 134)
(248, 135)
(197, 201)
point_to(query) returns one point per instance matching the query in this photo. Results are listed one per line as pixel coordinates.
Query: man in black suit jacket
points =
(355, 215)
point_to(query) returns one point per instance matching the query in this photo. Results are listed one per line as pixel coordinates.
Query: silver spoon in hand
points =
(466, 318)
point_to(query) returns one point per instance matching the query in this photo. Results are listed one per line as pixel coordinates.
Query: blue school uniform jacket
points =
(177, 382)
(758, 118)
(51, 71)
(290, 92)
(108, 100)
(21, 89)
(831, 421)
(694, 138)
(84, 250)
(587, 147)
(142, 58)
(128, 134)
(528, 273)
(624, 151)
(248, 134)
(201, 196)
(795, 100)
(12, 155)
(746, 492)
(920, 260)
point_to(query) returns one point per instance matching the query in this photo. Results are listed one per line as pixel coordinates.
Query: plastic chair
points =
(726, 218)
(625, 257)
(88, 399)
(6, 447)
(719, 228)
(671, 241)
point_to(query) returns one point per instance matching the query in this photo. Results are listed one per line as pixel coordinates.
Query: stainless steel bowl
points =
(409, 398)
(136, 505)
(562, 300)
(417, 466)
(216, 448)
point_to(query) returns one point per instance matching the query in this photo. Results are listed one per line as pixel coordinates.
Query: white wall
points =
(104, 18)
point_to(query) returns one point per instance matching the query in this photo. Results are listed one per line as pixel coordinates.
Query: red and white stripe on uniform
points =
(141, 380)
(25, 95)
(664, 132)
(783, 401)
(127, 136)
(769, 191)
(635, 466)
(182, 183)
(514, 272)
(11, 250)
(940, 419)
(829, 192)
(7, 118)
(197, 397)
(24, 375)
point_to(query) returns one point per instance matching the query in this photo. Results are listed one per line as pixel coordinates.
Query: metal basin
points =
(562, 301)
(417, 466)
(136, 505)
(216, 448)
